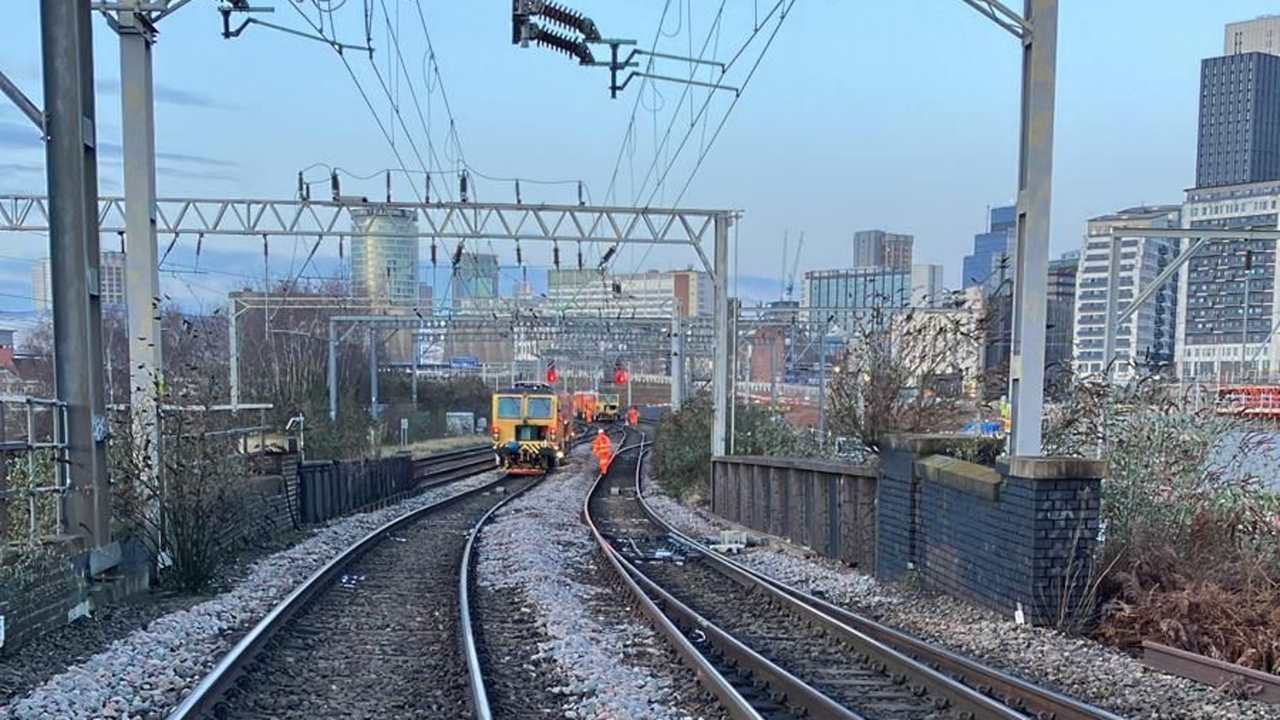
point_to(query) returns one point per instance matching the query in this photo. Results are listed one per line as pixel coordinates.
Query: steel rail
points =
(477, 692)
(1018, 694)
(959, 697)
(730, 699)
(211, 689)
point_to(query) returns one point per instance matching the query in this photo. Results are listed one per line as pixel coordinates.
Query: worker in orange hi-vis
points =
(633, 417)
(602, 448)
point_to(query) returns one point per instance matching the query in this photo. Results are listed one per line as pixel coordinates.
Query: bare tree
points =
(907, 370)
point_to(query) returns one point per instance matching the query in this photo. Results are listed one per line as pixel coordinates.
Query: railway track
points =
(380, 631)
(442, 468)
(769, 651)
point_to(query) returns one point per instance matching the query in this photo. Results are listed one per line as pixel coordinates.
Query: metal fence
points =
(33, 468)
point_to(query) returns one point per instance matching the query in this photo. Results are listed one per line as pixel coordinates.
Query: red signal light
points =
(619, 377)
(552, 375)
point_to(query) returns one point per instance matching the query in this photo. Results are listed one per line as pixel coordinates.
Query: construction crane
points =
(789, 278)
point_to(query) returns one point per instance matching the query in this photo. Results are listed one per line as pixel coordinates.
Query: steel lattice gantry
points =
(442, 221)
(460, 221)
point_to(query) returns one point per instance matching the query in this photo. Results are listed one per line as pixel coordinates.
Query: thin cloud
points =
(185, 174)
(20, 168)
(170, 95)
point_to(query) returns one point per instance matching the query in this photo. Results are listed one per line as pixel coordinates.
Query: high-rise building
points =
(384, 255)
(1147, 338)
(1239, 135)
(111, 282)
(476, 277)
(989, 263)
(855, 296)
(1258, 35)
(647, 294)
(877, 248)
(1227, 281)
(1060, 310)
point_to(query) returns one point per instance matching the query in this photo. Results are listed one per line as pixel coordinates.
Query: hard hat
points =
(600, 431)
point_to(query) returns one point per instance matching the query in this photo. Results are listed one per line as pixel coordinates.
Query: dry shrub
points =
(1191, 533)
(1238, 625)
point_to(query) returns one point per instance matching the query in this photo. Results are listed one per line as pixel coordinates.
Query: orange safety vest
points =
(602, 448)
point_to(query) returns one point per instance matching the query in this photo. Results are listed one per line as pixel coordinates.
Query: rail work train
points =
(532, 426)
(609, 408)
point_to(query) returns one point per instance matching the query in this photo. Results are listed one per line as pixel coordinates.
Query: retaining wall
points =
(828, 507)
(1020, 535)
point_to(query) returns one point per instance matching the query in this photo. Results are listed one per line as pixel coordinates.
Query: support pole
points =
(72, 166)
(414, 345)
(333, 371)
(233, 342)
(677, 361)
(142, 278)
(1035, 175)
(1110, 326)
(373, 372)
(720, 365)
(822, 383)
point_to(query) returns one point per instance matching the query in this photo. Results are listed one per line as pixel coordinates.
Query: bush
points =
(1190, 529)
(184, 504)
(682, 452)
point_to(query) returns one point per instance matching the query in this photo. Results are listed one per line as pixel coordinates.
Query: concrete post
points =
(677, 361)
(142, 278)
(233, 343)
(333, 372)
(72, 167)
(1035, 175)
(720, 368)
(373, 372)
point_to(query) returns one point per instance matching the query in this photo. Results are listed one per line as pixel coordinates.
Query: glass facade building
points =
(384, 255)
(990, 248)
(870, 294)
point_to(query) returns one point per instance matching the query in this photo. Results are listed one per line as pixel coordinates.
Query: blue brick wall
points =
(1030, 545)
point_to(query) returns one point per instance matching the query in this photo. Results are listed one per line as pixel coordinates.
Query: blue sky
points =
(899, 115)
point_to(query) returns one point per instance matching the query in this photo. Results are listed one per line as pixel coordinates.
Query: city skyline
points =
(1151, 147)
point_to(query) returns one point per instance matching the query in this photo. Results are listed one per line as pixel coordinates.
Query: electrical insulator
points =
(462, 186)
(519, 255)
(427, 198)
(518, 192)
(457, 255)
(579, 256)
(608, 255)
(388, 186)
(339, 248)
(555, 255)
(580, 200)
(302, 192)
(433, 253)
(333, 184)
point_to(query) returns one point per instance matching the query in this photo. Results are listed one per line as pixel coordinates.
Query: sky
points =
(896, 115)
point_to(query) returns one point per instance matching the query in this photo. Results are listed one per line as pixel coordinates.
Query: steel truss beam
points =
(463, 221)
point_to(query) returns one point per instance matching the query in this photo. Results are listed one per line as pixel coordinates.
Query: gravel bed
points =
(146, 673)
(1078, 667)
(36, 662)
(615, 667)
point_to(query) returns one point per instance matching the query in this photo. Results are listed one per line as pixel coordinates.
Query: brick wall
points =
(1021, 534)
(39, 597)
